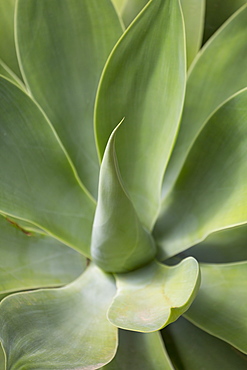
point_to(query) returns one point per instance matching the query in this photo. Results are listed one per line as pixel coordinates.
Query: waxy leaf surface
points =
(210, 193)
(63, 46)
(191, 349)
(37, 181)
(64, 328)
(119, 241)
(31, 261)
(143, 81)
(152, 297)
(220, 307)
(218, 72)
(143, 351)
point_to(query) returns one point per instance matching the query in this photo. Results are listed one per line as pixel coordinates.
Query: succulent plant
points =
(123, 203)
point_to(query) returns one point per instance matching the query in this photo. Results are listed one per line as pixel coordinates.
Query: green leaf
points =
(218, 72)
(152, 297)
(119, 242)
(192, 349)
(7, 72)
(210, 193)
(131, 9)
(143, 351)
(2, 359)
(194, 12)
(31, 261)
(217, 12)
(38, 183)
(223, 246)
(119, 4)
(64, 328)
(63, 46)
(150, 96)
(221, 305)
(7, 42)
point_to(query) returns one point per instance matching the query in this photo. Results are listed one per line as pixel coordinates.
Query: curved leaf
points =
(119, 242)
(152, 297)
(131, 9)
(37, 181)
(63, 46)
(7, 42)
(218, 72)
(192, 349)
(220, 307)
(31, 261)
(150, 96)
(7, 72)
(2, 358)
(210, 193)
(217, 12)
(63, 328)
(193, 11)
(144, 351)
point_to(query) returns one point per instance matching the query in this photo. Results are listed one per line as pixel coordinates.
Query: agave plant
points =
(123, 203)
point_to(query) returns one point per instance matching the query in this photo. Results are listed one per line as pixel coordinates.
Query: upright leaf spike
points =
(119, 241)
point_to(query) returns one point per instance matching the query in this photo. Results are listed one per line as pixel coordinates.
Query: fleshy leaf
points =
(145, 351)
(191, 349)
(193, 11)
(217, 12)
(152, 297)
(218, 72)
(7, 42)
(64, 328)
(31, 261)
(45, 190)
(131, 9)
(63, 46)
(210, 193)
(150, 96)
(119, 241)
(221, 305)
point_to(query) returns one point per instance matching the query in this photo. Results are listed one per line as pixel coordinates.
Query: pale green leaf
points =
(220, 307)
(152, 297)
(218, 72)
(144, 82)
(217, 12)
(64, 328)
(37, 181)
(193, 12)
(7, 42)
(140, 351)
(210, 193)
(30, 261)
(2, 359)
(131, 9)
(7, 72)
(119, 5)
(63, 46)
(192, 349)
(119, 241)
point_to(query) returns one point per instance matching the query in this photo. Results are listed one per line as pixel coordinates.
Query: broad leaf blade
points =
(152, 297)
(63, 328)
(63, 46)
(140, 351)
(31, 261)
(150, 96)
(119, 241)
(221, 305)
(210, 193)
(191, 349)
(45, 190)
(218, 72)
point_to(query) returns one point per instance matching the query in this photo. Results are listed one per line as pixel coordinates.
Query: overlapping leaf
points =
(210, 193)
(31, 261)
(119, 241)
(152, 297)
(140, 351)
(63, 328)
(219, 72)
(62, 51)
(144, 82)
(37, 181)
(221, 305)
(191, 349)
